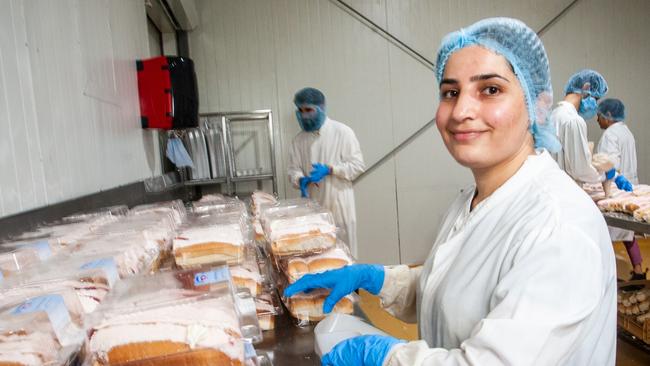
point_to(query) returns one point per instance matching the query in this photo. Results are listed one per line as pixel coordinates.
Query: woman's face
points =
(482, 115)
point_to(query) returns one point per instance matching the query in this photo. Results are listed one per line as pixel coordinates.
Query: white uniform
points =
(526, 278)
(575, 156)
(335, 144)
(618, 143)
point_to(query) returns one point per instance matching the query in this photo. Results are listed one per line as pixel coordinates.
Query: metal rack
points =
(234, 139)
(627, 222)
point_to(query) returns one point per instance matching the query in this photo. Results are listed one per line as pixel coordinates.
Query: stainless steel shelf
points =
(251, 178)
(627, 222)
(202, 182)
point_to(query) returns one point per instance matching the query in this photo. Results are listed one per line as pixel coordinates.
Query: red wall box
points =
(168, 93)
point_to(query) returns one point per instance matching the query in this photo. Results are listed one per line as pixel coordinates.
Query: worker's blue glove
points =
(319, 172)
(304, 184)
(610, 174)
(623, 184)
(366, 350)
(342, 281)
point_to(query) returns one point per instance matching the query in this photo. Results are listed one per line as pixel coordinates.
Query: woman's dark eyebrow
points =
(486, 77)
(448, 81)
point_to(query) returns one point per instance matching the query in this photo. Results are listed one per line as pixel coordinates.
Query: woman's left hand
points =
(366, 350)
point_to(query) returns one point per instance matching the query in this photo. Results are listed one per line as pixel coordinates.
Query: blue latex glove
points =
(319, 172)
(342, 281)
(304, 184)
(610, 174)
(623, 184)
(367, 350)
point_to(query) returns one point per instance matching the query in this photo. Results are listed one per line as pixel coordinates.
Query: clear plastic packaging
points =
(16, 260)
(218, 238)
(308, 308)
(133, 253)
(160, 227)
(247, 275)
(30, 339)
(15, 297)
(298, 230)
(61, 235)
(118, 210)
(175, 208)
(43, 247)
(90, 279)
(190, 317)
(268, 307)
(226, 204)
(295, 267)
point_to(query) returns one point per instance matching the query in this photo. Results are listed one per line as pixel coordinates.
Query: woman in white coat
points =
(522, 271)
(617, 142)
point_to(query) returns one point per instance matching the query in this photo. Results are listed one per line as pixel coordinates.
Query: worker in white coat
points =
(582, 92)
(618, 143)
(324, 160)
(522, 271)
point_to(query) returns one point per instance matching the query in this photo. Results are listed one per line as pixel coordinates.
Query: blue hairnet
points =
(525, 52)
(597, 84)
(612, 109)
(309, 96)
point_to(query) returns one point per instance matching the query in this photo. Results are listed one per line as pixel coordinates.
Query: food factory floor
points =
(627, 353)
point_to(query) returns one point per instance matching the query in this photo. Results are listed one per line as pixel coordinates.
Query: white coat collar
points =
(530, 169)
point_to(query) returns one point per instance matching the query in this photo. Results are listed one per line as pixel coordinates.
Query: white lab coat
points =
(618, 143)
(335, 144)
(575, 156)
(526, 278)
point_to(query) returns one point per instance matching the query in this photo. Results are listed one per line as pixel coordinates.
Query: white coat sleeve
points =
(577, 155)
(398, 292)
(294, 167)
(608, 146)
(536, 315)
(351, 164)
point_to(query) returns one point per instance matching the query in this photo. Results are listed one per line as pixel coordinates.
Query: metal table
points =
(627, 222)
(289, 344)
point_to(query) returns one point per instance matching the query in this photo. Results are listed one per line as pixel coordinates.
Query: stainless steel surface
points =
(222, 161)
(213, 127)
(201, 182)
(291, 345)
(627, 222)
(194, 141)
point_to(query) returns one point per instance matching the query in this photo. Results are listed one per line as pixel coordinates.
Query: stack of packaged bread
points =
(301, 239)
(635, 203)
(636, 304)
(145, 286)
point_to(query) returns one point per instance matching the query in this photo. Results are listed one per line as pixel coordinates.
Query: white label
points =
(55, 308)
(42, 248)
(108, 266)
(215, 276)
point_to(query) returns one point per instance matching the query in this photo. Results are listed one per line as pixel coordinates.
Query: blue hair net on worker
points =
(597, 84)
(309, 96)
(313, 98)
(592, 86)
(612, 109)
(525, 52)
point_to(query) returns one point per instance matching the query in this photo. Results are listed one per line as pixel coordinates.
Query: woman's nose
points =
(465, 107)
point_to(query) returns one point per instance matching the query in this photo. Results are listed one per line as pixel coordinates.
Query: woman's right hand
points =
(342, 281)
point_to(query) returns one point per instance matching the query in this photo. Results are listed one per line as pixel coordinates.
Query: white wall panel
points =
(378, 237)
(422, 23)
(68, 92)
